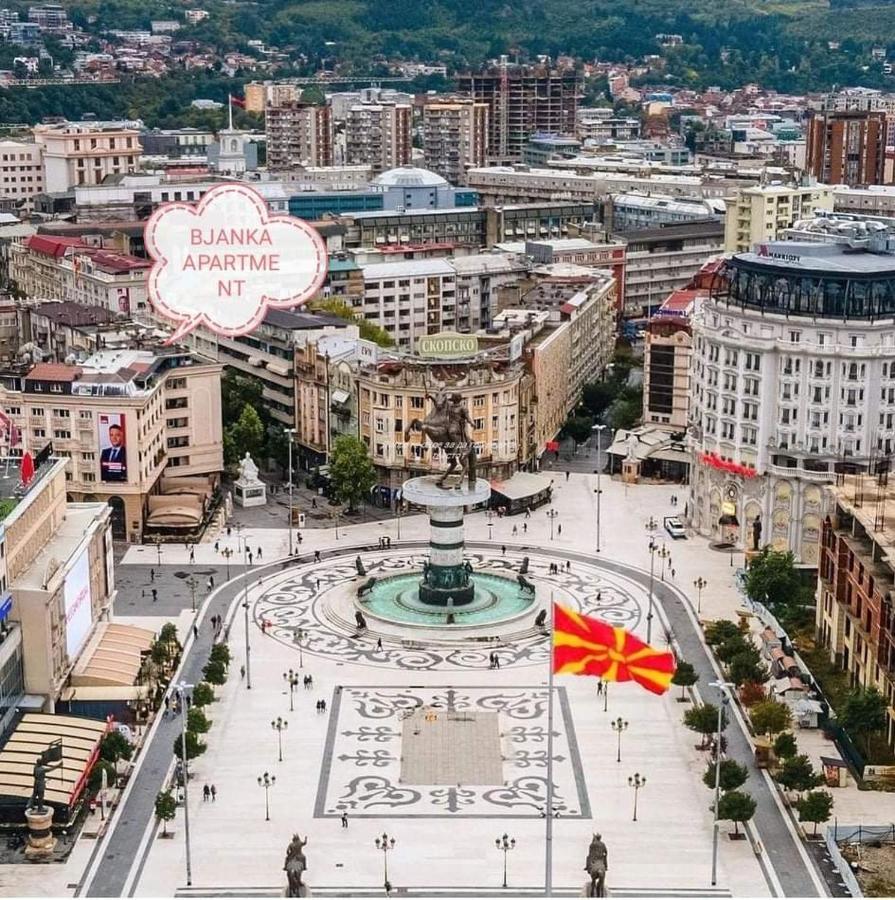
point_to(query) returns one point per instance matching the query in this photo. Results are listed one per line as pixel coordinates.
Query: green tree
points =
(350, 470)
(577, 428)
(237, 392)
(203, 694)
(194, 747)
(797, 774)
(733, 775)
(95, 781)
(863, 714)
(115, 746)
(704, 720)
(816, 807)
(744, 667)
(214, 672)
(773, 579)
(734, 646)
(597, 396)
(685, 676)
(736, 807)
(716, 633)
(245, 435)
(197, 721)
(220, 653)
(785, 745)
(368, 330)
(770, 717)
(165, 809)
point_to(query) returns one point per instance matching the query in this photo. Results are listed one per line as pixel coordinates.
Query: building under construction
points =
(522, 101)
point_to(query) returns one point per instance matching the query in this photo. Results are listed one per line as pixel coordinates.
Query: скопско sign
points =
(447, 344)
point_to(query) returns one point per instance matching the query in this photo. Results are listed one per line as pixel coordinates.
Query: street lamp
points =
(245, 607)
(385, 843)
(700, 584)
(227, 552)
(490, 530)
(298, 635)
(653, 547)
(724, 688)
(279, 725)
(192, 584)
(181, 688)
(599, 431)
(291, 678)
(158, 551)
(551, 514)
(291, 433)
(267, 781)
(605, 696)
(636, 781)
(618, 726)
(664, 554)
(505, 843)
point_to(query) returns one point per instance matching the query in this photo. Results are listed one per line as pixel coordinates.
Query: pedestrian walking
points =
(323, 706)
(318, 584)
(503, 549)
(599, 687)
(310, 681)
(344, 819)
(496, 661)
(242, 671)
(214, 793)
(528, 512)
(209, 584)
(229, 531)
(567, 475)
(217, 546)
(260, 555)
(152, 574)
(515, 531)
(568, 565)
(167, 707)
(196, 631)
(525, 527)
(559, 529)
(192, 555)
(672, 573)
(250, 557)
(317, 557)
(154, 595)
(206, 793)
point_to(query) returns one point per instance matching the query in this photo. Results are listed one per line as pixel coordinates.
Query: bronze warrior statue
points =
(295, 865)
(596, 866)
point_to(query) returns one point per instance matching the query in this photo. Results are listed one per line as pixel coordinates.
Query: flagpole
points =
(548, 812)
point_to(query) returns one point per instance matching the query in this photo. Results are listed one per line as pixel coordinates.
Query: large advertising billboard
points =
(78, 605)
(112, 447)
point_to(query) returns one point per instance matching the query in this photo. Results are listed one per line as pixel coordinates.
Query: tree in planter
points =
(863, 713)
(197, 721)
(168, 635)
(816, 807)
(578, 428)
(797, 774)
(751, 693)
(736, 807)
(165, 809)
(215, 672)
(194, 747)
(733, 647)
(685, 676)
(704, 720)
(770, 717)
(115, 746)
(733, 775)
(785, 746)
(351, 470)
(203, 694)
(95, 781)
(220, 653)
(718, 632)
(744, 667)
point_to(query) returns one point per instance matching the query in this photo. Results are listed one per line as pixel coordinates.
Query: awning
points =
(113, 657)
(521, 485)
(281, 369)
(728, 519)
(340, 396)
(36, 732)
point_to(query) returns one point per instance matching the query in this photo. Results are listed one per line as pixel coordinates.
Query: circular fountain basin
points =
(497, 599)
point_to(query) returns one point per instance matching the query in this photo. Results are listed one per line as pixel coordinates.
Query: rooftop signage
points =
(447, 345)
(222, 263)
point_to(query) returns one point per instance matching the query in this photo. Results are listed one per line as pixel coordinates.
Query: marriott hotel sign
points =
(447, 345)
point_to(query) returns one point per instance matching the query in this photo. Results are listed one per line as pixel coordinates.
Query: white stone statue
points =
(632, 445)
(248, 471)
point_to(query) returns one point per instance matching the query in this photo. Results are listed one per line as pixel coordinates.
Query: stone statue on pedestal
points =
(596, 866)
(295, 865)
(248, 471)
(756, 532)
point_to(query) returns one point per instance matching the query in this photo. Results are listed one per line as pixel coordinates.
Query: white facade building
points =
(21, 171)
(794, 381)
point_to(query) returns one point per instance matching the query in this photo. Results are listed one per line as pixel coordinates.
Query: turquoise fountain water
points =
(496, 599)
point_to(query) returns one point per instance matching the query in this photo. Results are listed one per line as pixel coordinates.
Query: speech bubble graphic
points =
(225, 261)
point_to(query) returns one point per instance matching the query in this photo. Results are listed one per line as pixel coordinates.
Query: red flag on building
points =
(586, 646)
(26, 471)
(237, 101)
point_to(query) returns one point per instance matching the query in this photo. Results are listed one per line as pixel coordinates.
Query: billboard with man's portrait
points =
(112, 447)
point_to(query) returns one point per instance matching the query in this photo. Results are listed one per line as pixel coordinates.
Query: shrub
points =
(770, 717)
(203, 694)
(718, 632)
(194, 747)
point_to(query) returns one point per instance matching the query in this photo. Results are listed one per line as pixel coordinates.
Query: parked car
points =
(674, 527)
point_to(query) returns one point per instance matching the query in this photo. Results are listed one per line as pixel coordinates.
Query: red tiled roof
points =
(109, 261)
(53, 372)
(52, 246)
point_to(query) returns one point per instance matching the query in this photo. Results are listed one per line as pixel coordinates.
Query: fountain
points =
(447, 591)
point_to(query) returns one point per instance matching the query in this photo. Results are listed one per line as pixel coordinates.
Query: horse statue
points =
(366, 587)
(596, 866)
(295, 865)
(449, 427)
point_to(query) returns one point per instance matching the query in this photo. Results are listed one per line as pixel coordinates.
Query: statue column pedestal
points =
(41, 842)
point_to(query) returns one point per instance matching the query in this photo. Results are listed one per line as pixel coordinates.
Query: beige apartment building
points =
(21, 172)
(758, 214)
(378, 135)
(84, 153)
(455, 136)
(258, 94)
(135, 425)
(298, 135)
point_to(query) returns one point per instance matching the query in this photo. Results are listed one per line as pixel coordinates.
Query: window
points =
(176, 403)
(85, 414)
(62, 413)
(795, 337)
(61, 434)
(37, 411)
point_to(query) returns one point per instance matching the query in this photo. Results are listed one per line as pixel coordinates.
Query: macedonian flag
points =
(585, 646)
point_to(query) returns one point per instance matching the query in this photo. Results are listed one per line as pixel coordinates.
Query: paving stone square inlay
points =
(374, 766)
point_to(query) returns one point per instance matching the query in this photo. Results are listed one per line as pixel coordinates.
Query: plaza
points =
(423, 731)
